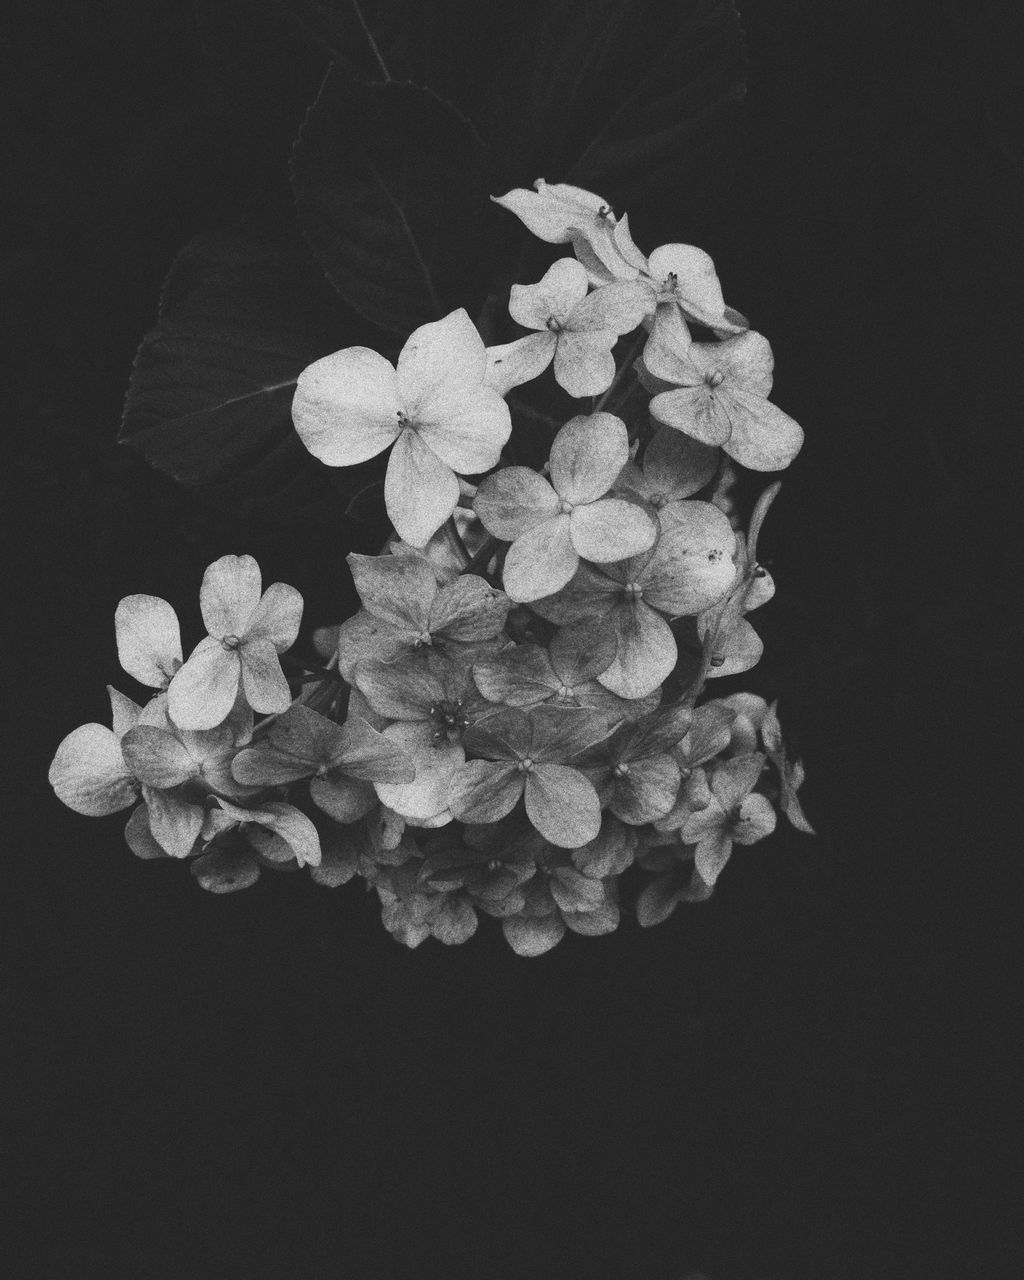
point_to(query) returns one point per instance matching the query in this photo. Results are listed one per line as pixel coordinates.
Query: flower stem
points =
(484, 553)
(451, 530)
(620, 373)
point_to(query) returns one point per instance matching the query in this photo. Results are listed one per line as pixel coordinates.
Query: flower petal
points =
(563, 805)
(277, 616)
(425, 798)
(587, 455)
(343, 799)
(520, 677)
(174, 822)
(263, 681)
(402, 690)
(588, 595)
(541, 561)
(148, 639)
(579, 654)
(755, 819)
(668, 350)
(368, 754)
(469, 609)
(734, 779)
(513, 500)
(692, 566)
(89, 773)
(708, 734)
(263, 766)
(346, 406)
(397, 589)
(746, 360)
(439, 358)
(574, 891)
(739, 651)
(504, 736)
(226, 870)
(698, 412)
(124, 713)
(648, 791)
(659, 898)
(229, 593)
(296, 830)
(532, 936)
(303, 734)
(611, 529)
(763, 437)
(696, 285)
(513, 363)
(157, 757)
(617, 308)
(484, 790)
(711, 855)
(562, 287)
(554, 211)
(560, 733)
(138, 836)
(584, 364)
(676, 466)
(467, 429)
(454, 922)
(420, 491)
(645, 655)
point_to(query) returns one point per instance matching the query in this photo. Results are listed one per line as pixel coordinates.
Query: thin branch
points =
(373, 43)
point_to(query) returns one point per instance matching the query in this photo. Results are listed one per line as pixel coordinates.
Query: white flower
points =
(434, 407)
(247, 630)
(576, 329)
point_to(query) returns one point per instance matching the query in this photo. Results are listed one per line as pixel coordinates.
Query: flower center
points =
(658, 499)
(231, 642)
(553, 324)
(525, 765)
(633, 591)
(423, 638)
(563, 691)
(715, 378)
(448, 721)
(565, 507)
(621, 770)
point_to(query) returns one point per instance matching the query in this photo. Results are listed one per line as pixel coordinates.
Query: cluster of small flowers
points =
(473, 747)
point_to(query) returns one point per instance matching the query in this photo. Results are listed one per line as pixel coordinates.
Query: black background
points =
(809, 1076)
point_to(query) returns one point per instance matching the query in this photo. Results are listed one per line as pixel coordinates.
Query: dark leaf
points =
(629, 100)
(209, 401)
(391, 185)
(453, 46)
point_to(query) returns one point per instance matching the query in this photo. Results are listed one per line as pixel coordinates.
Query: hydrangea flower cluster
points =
(515, 722)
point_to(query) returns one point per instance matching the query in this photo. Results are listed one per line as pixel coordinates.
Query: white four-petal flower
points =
(247, 630)
(434, 407)
(553, 525)
(577, 329)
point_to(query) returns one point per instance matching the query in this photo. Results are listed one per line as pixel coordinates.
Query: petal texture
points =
(346, 406)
